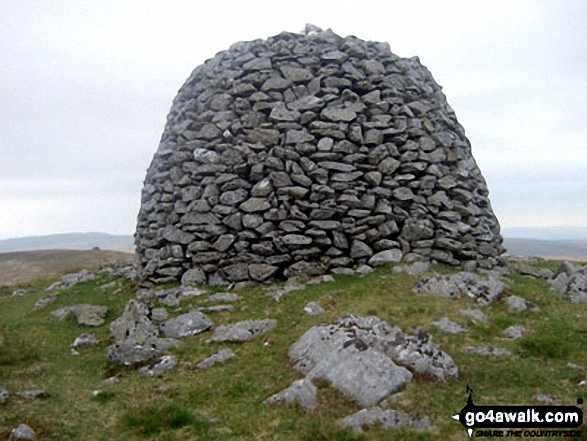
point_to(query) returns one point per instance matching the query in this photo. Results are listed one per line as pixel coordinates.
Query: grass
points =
(225, 402)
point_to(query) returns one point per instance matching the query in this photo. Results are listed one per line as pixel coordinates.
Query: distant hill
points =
(554, 249)
(69, 241)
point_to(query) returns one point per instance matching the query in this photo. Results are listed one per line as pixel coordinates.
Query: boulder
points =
(159, 366)
(448, 326)
(301, 392)
(186, 325)
(86, 315)
(22, 431)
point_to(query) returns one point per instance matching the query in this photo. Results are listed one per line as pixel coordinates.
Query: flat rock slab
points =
(487, 351)
(159, 366)
(243, 331)
(218, 357)
(484, 291)
(186, 325)
(366, 358)
(384, 419)
(301, 392)
(450, 327)
(366, 375)
(86, 315)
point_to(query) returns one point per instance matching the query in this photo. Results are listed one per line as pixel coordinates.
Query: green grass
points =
(225, 402)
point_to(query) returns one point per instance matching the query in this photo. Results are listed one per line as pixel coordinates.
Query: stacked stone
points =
(303, 153)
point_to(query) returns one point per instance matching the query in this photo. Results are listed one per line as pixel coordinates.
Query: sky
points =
(85, 88)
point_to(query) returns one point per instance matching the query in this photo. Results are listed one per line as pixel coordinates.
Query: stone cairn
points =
(304, 153)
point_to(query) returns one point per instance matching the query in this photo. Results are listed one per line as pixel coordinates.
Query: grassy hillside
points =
(225, 402)
(28, 266)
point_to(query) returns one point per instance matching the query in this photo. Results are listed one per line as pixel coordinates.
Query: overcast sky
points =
(85, 87)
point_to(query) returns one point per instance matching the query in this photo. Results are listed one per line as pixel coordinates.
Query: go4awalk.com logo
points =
(520, 421)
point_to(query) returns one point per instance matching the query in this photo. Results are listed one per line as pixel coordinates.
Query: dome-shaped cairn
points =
(303, 153)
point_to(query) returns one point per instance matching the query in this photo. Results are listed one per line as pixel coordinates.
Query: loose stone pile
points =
(300, 154)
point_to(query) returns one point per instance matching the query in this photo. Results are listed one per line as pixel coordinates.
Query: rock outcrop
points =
(300, 154)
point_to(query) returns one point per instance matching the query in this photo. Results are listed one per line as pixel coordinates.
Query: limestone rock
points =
(475, 315)
(384, 419)
(243, 331)
(516, 303)
(484, 291)
(3, 395)
(68, 280)
(329, 345)
(301, 392)
(514, 332)
(136, 337)
(23, 432)
(186, 325)
(44, 301)
(159, 366)
(314, 308)
(448, 326)
(309, 153)
(487, 351)
(85, 340)
(219, 357)
(86, 315)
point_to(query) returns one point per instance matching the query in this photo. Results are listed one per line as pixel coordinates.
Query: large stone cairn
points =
(302, 153)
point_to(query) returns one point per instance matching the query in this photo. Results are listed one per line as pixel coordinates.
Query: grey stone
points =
(194, 276)
(384, 257)
(475, 315)
(33, 394)
(416, 353)
(111, 381)
(22, 431)
(243, 331)
(384, 419)
(413, 269)
(487, 351)
(516, 303)
(483, 291)
(159, 366)
(85, 340)
(44, 301)
(314, 308)
(448, 326)
(224, 297)
(186, 325)
(514, 332)
(218, 357)
(3, 395)
(69, 280)
(216, 308)
(316, 136)
(86, 315)
(301, 392)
